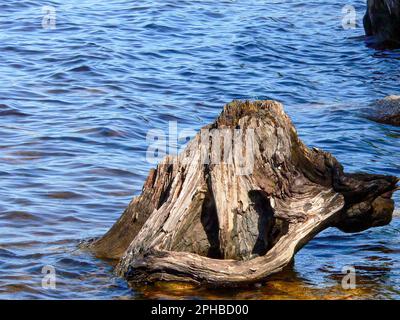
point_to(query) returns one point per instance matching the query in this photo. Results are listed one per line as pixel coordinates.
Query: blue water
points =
(77, 101)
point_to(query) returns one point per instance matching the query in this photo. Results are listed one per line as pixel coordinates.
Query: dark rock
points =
(382, 21)
(386, 111)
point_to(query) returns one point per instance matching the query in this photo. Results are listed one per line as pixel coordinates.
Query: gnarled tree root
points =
(237, 204)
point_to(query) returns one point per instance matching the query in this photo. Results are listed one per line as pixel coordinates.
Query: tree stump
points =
(237, 204)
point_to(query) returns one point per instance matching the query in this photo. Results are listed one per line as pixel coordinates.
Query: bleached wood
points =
(209, 217)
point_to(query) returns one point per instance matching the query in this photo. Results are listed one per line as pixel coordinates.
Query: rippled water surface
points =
(77, 101)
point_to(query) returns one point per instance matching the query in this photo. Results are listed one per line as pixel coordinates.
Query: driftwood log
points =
(244, 196)
(382, 21)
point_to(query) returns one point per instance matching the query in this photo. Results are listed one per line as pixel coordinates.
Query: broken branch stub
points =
(237, 204)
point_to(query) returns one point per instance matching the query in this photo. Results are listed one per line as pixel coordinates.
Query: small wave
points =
(19, 216)
(4, 253)
(64, 195)
(160, 28)
(83, 68)
(57, 91)
(103, 132)
(113, 172)
(74, 262)
(70, 218)
(18, 287)
(8, 111)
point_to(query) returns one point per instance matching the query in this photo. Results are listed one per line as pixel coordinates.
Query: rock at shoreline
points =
(382, 20)
(386, 111)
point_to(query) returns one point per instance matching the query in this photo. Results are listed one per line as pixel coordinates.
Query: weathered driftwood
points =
(235, 222)
(386, 111)
(382, 20)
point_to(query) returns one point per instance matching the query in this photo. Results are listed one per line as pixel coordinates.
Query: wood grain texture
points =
(237, 204)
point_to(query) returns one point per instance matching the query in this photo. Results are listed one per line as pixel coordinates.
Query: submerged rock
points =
(382, 20)
(386, 111)
(237, 204)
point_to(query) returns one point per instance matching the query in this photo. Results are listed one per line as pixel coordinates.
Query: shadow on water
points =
(374, 43)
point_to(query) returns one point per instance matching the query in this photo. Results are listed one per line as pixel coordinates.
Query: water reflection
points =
(288, 284)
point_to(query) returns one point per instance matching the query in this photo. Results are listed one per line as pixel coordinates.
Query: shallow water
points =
(77, 101)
